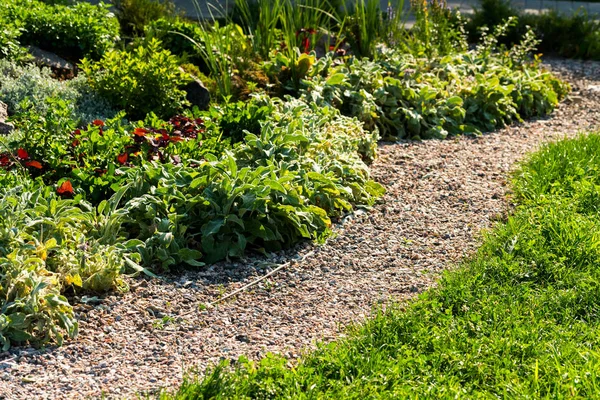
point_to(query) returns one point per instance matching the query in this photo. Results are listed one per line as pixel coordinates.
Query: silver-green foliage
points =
(48, 244)
(18, 83)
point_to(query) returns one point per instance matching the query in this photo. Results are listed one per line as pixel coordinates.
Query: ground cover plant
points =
(470, 92)
(113, 173)
(518, 319)
(23, 86)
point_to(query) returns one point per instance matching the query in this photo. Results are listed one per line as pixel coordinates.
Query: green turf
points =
(518, 320)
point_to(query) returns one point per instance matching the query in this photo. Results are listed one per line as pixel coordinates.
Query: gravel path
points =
(440, 195)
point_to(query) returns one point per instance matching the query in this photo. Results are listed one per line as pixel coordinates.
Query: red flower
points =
(98, 122)
(141, 132)
(66, 189)
(77, 132)
(306, 44)
(34, 164)
(75, 143)
(175, 138)
(21, 153)
(122, 158)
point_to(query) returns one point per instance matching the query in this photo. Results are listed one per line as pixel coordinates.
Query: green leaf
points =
(336, 79)
(212, 227)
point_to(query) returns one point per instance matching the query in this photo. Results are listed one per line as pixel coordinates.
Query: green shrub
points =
(576, 35)
(490, 14)
(135, 15)
(10, 47)
(278, 186)
(70, 31)
(237, 119)
(145, 80)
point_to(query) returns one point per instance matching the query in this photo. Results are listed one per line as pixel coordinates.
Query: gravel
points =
(441, 194)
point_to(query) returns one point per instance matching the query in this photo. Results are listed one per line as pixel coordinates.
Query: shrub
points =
(18, 83)
(135, 15)
(235, 120)
(10, 47)
(145, 80)
(278, 186)
(70, 31)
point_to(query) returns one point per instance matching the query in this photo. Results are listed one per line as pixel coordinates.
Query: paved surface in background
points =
(465, 6)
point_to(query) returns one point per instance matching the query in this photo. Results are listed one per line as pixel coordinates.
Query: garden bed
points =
(439, 195)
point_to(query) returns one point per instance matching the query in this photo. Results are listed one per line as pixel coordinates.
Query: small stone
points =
(197, 94)
(59, 66)
(242, 338)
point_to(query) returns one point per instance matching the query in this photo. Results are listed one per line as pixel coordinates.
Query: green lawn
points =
(518, 320)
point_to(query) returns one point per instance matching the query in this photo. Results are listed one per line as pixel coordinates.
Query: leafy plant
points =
(435, 32)
(10, 47)
(569, 35)
(235, 120)
(364, 27)
(279, 186)
(51, 148)
(260, 19)
(222, 49)
(404, 96)
(175, 35)
(143, 81)
(46, 245)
